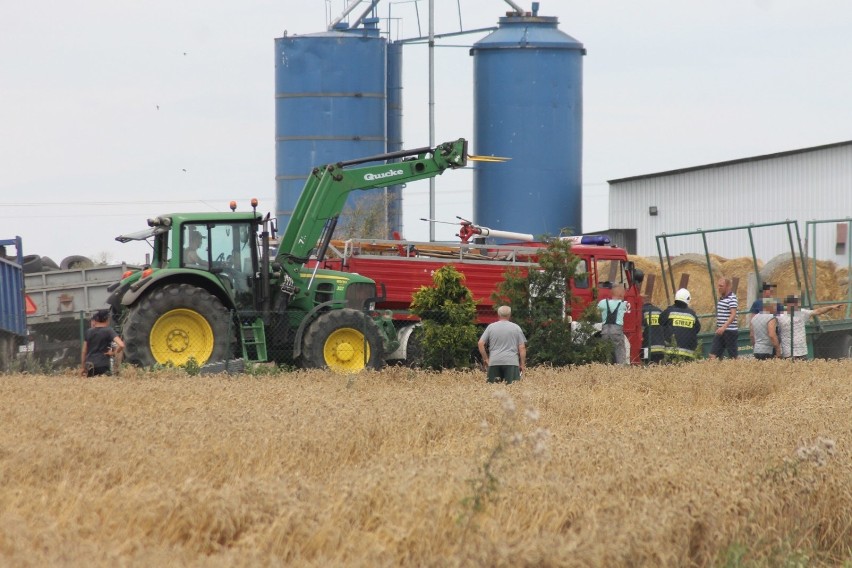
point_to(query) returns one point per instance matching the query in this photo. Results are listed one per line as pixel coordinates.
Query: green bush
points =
(541, 300)
(449, 314)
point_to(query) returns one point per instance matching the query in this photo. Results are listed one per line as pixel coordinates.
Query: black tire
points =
(76, 261)
(168, 325)
(414, 350)
(48, 264)
(32, 263)
(336, 341)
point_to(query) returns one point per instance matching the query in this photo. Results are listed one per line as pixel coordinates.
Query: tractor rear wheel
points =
(176, 323)
(345, 341)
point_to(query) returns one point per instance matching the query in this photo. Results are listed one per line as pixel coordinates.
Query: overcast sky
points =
(116, 111)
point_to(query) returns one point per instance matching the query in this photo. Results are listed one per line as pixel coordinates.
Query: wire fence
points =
(342, 340)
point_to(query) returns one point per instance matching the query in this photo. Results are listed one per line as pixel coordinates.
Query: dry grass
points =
(704, 464)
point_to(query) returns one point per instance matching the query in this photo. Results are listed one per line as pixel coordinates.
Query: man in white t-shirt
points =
(791, 328)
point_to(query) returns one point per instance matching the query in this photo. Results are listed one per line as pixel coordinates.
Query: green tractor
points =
(213, 291)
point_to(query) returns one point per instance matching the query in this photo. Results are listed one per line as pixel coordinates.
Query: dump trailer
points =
(826, 338)
(13, 324)
(213, 291)
(401, 267)
(61, 302)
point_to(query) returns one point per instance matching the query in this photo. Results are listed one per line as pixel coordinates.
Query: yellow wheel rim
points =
(179, 335)
(345, 351)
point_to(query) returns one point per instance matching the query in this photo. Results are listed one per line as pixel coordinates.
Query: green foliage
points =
(540, 300)
(267, 369)
(734, 556)
(367, 216)
(192, 367)
(32, 365)
(448, 312)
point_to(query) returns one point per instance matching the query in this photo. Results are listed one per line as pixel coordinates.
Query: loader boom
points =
(328, 187)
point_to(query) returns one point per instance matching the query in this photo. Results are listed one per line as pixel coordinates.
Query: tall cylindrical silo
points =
(528, 104)
(394, 130)
(330, 105)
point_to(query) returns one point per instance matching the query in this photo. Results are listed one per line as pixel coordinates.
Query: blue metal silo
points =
(394, 130)
(528, 104)
(330, 104)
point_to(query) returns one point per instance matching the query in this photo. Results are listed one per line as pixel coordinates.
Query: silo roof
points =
(528, 31)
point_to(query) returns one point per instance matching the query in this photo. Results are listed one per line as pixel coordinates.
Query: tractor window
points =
(231, 253)
(230, 247)
(195, 247)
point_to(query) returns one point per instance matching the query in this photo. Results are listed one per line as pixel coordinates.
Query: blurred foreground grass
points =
(732, 464)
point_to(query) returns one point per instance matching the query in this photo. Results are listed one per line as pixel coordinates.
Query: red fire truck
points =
(401, 267)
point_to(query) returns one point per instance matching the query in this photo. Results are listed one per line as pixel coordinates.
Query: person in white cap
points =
(680, 328)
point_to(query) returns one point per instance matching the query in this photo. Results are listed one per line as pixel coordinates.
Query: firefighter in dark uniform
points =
(652, 332)
(680, 328)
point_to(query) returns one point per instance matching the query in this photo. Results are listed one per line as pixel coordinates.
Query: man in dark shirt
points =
(680, 328)
(98, 346)
(767, 291)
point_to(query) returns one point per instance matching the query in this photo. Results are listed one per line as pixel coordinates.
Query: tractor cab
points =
(226, 249)
(222, 246)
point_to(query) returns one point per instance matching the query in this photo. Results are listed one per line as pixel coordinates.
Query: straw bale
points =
(701, 283)
(740, 268)
(843, 282)
(780, 271)
(648, 265)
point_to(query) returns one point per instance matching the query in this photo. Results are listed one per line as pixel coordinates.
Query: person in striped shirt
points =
(725, 340)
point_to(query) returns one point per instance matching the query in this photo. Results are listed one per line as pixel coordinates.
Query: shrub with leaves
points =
(540, 300)
(448, 312)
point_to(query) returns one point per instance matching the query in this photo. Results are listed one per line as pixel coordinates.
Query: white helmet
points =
(682, 295)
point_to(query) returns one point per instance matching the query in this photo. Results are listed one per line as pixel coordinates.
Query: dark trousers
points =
(92, 371)
(500, 373)
(725, 343)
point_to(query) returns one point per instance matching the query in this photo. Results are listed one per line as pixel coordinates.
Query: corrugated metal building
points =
(806, 184)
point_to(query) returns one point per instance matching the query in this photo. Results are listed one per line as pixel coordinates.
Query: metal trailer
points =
(830, 339)
(64, 300)
(13, 325)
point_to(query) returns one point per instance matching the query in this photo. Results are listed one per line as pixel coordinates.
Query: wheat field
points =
(731, 463)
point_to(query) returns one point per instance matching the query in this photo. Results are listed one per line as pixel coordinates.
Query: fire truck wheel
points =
(175, 323)
(414, 349)
(345, 341)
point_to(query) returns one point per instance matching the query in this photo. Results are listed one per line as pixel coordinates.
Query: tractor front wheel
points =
(176, 323)
(345, 341)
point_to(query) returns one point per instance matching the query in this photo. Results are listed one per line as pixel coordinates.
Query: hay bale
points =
(649, 266)
(701, 282)
(781, 271)
(740, 268)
